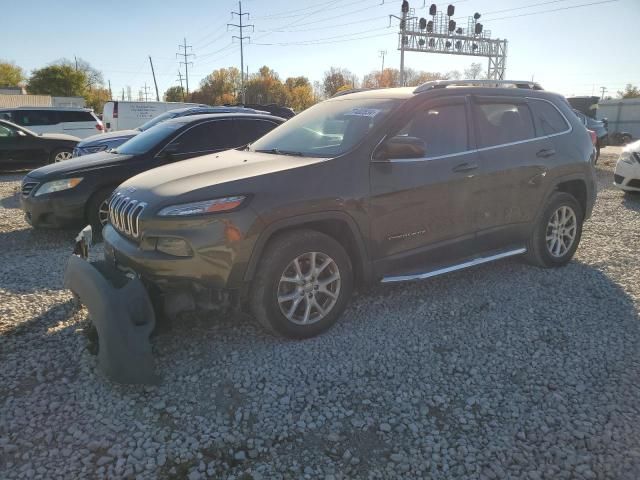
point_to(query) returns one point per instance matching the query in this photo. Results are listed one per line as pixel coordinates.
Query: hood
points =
(633, 147)
(95, 160)
(179, 178)
(105, 137)
(59, 136)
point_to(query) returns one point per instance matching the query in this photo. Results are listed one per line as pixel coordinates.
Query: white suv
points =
(79, 122)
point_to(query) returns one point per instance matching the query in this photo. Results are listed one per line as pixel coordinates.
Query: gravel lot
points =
(502, 371)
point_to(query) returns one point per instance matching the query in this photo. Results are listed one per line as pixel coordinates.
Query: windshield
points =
(328, 129)
(155, 120)
(147, 140)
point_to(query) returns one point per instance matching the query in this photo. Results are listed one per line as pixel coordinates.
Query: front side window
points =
(328, 129)
(5, 132)
(443, 129)
(35, 117)
(145, 141)
(549, 118)
(498, 123)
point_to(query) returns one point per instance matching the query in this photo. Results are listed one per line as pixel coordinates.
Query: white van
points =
(118, 115)
(79, 122)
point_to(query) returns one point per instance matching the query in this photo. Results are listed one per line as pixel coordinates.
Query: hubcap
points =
(309, 288)
(60, 156)
(561, 231)
(103, 212)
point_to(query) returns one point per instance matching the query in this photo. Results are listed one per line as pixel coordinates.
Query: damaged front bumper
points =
(121, 311)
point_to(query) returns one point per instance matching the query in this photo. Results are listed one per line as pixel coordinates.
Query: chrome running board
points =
(453, 268)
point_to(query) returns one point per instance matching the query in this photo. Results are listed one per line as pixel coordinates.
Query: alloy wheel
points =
(561, 231)
(309, 288)
(103, 212)
(61, 156)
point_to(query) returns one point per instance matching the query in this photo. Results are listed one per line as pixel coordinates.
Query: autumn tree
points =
(299, 93)
(11, 75)
(335, 78)
(94, 77)
(58, 80)
(630, 91)
(219, 87)
(265, 87)
(97, 97)
(174, 94)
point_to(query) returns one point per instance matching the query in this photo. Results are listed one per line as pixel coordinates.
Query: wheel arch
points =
(577, 188)
(338, 225)
(87, 205)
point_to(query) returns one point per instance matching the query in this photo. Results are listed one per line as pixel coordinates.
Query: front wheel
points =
(98, 210)
(60, 155)
(303, 284)
(555, 238)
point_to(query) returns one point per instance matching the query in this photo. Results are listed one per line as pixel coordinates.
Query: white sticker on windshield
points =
(363, 112)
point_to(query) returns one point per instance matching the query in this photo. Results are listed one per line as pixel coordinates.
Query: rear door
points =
(514, 164)
(207, 137)
(423, 210)
(79, 123)
(38, 121)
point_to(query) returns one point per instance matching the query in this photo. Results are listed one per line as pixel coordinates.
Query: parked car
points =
(77, 190)
(384, 185)
(109, 140)
(599, 127)
(272, 108)
(20, 147)
(627, 173)
(122, 115)
(79, 122)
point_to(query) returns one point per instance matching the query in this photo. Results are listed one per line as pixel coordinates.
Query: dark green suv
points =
(379, 185)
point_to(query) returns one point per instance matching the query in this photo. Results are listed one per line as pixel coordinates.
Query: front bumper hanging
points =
(121, 311)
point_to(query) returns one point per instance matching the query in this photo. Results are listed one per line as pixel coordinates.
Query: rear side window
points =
(250, 130)
(7, 116)
(503, 122)
(75, 116)
(29, 118)
(206, 137)
(548, 117)
(443, 129)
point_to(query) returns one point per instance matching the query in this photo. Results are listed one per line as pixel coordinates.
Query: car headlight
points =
(628, 157)
(58, 186)
(96, 148)
(198, 208)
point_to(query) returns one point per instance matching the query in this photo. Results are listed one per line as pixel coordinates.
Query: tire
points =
(539, 251)
(60, 155)
(95, 213)
(278, 264)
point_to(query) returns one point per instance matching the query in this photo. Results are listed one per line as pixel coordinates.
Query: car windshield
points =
(328, 129)
(155, 120)
(148, 139)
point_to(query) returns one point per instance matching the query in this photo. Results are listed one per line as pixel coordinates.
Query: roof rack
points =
(478, 83)
(351, 90)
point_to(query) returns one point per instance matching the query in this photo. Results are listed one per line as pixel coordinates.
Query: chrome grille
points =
(124, 214)
(28, 187)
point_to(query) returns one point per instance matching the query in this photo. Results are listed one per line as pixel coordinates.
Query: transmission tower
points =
(441, 34)
(242, 38)
(185, 60)
(145, 91)
(181, 87)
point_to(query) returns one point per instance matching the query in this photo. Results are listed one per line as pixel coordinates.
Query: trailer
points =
(622, 114)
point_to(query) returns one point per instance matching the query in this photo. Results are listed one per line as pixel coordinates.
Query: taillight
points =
(594, 137)
(99, 127)
(115, 109)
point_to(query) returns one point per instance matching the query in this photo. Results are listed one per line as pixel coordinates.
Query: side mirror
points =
(21, 133)
(401, 147)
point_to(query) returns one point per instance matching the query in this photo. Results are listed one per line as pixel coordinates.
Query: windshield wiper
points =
(277, 151)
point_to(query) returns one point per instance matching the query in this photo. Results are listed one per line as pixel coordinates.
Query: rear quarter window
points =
(550, 121)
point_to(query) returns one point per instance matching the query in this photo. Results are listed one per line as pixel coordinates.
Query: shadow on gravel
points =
(35, 239)
(11, 202)
(43, 322)
(631, 201)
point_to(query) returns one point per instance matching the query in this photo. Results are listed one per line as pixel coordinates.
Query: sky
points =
(566, 45)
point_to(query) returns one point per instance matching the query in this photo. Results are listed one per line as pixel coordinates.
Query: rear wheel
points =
(60, 155)
(303, 284)
(556, 236)
(98, 210)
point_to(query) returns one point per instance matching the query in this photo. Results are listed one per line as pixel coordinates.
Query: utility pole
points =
(603, 90)
(146, 92)
(381, 53)
(123, 94)
(76, 60)
(181, 87)
(110, 94)
(403, 26)
(241, 26)
(154, 79)
(186, 61)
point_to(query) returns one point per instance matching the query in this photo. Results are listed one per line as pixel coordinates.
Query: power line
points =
(186, 61)
(318, 42)
(288, 12)
(326, 38)
(242, 38)
(551, 10)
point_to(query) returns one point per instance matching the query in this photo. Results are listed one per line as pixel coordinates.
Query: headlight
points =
(96, 148)
(628, 157)
(199, 208)
(58, 186)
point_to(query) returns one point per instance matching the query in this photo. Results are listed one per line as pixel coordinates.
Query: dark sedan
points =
(20, 147)
(77, 191)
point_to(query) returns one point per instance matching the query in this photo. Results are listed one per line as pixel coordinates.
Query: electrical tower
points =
(241, 26)
(145, 92)
(381, 54)
(185, 61)
(441, 34)
(181, 87)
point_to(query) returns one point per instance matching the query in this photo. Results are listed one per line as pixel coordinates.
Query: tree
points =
(11, 75)
(58, 81)
(174, 94)
(97, 97)
(299, 92)
(474, 72)
(387, 79)
(335, 78)
(630, 91)
(219, 87)
(265, 87)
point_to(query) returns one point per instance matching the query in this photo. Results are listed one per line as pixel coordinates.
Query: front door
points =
(422, 210)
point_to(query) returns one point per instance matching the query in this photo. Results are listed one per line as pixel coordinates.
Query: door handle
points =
(465, 167)
(546, 153)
